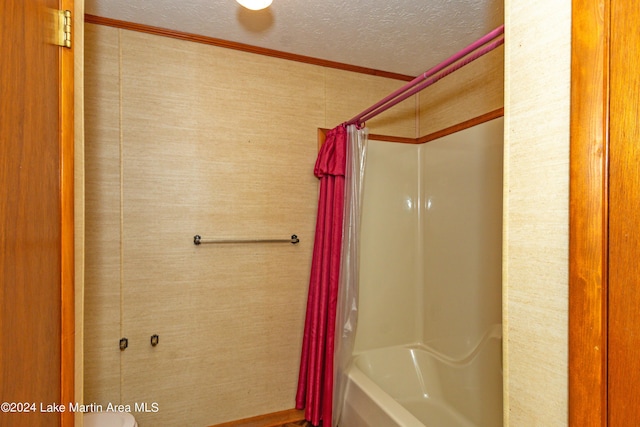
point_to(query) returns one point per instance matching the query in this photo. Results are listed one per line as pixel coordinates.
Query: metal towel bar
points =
(197, 240)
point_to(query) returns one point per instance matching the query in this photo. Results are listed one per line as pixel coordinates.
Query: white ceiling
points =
(401, 36)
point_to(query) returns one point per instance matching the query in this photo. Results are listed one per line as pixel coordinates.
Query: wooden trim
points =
(462, 126)
(588, 211)
(268, 420)
(322, 136)
(124, 25)
(67, 330)
(389, 138)
(322, 133)
(623, 292)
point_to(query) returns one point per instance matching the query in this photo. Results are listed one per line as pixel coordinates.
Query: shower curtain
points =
(347, 311)
(333, 283)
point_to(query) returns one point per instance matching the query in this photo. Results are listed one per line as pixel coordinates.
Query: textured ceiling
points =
(401, 36)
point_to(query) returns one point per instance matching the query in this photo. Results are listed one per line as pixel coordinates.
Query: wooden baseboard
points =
(268, 420)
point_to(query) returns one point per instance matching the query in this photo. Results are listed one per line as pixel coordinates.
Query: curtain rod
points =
(414, 86)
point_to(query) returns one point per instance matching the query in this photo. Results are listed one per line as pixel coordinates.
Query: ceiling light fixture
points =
(255, 4)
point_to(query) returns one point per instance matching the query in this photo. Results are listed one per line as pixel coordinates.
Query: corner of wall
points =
(535, 257)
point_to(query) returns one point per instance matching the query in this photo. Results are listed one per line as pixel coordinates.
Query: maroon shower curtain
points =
(315, 382)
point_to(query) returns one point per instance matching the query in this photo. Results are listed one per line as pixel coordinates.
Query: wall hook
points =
(154, 340)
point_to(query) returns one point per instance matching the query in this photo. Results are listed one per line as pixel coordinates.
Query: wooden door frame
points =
(588, 212)
(67, 247)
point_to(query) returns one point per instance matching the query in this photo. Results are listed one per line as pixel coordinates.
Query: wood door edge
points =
(588, 211)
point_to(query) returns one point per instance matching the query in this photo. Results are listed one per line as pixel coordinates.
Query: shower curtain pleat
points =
(315, 381)
(347, 305)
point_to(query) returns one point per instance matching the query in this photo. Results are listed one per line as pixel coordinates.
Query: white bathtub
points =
(410, 386)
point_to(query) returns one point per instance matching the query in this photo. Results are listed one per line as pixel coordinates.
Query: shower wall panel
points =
(431, 242)
(462, 231)
(390, 299)
(184, 139)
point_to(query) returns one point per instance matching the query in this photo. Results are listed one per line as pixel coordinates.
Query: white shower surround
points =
(410, 386)
(431, 288)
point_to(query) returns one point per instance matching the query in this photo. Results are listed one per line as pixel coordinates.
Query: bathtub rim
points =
(392, 408)
(493, 332)
(357, 377)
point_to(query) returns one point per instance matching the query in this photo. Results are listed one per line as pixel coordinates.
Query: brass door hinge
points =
(63, 31)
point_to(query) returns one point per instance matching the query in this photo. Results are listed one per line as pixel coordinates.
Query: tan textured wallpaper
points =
(473, 90)
(536, 219)
(102, 216)
(184, 139)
